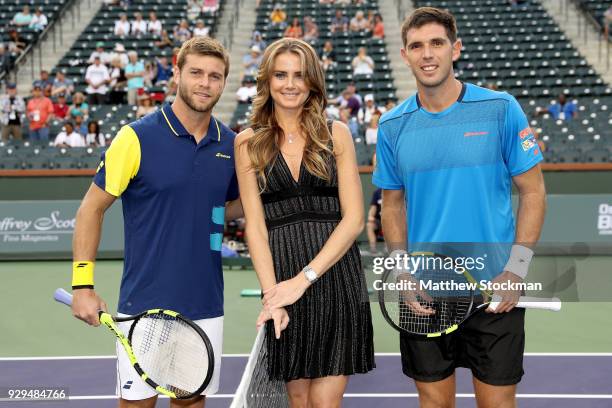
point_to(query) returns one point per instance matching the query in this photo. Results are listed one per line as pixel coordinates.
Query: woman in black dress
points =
(302, 198)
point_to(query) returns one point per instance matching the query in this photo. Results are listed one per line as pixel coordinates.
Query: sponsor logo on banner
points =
(34, 230)
(604, 220)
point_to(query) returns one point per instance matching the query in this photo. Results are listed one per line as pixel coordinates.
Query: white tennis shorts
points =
(131, 387)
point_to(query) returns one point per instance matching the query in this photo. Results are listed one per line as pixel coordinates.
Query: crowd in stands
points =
(16, 43)
(114, 75)
(360, 113)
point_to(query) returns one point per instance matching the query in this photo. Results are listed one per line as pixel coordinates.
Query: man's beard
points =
(188, 99)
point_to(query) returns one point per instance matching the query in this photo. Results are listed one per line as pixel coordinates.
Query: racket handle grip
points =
(528, 302)
(553, 304)
(62, 296)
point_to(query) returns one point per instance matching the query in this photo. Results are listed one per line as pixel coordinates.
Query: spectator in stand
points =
(362, 63)
(6, 61)
(163, 72)
(607, 21)
(68, 137)
(119, 52)
(97, 77)
(134, 72)
(171, 90)
(145, 105)
(22, 18)
(94, 137)
(294, 30)
(311, 29)
(368, 110)
(105, 57)
(118, 83)
(390, 105)
(79, 125)
(328, 56)
(61, 85)
(39, 20)
(79, 107)
(165, 41)
(200, 30)
(257, 40)
(339, 23)
(210, 6)
(60, 107)
(150, 71)
(194, 9)
(122, 26)
(278, 17)
(345, 117)
(45, 82)
(562, 109)
(247, 91)
(251, 62)
(359, 22)
(13, 111)
(40, 113)
(16, 43)
(350, 102)
(154, 26)
(374, 222)
(182, 32)
(371, 133)
(326, 2)
(378, 27)
(139, 25)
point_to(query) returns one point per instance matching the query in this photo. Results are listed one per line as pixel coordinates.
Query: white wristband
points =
(518, 263)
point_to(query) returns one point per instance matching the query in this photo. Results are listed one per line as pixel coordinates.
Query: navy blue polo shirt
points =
(173, 192)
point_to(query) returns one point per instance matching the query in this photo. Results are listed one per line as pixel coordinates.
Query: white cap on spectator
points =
(255, 48)
(119, 47)
(368, 97)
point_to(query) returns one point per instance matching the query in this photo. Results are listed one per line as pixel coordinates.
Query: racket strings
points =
(170, 352)
(449, 303)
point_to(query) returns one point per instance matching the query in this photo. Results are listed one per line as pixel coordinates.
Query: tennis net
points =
(256, 389)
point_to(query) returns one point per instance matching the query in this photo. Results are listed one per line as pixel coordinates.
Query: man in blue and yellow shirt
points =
(174, 171)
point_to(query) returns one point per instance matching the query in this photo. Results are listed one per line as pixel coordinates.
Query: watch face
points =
(311, 275)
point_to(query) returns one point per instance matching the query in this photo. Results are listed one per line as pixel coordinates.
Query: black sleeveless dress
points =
(330, 331)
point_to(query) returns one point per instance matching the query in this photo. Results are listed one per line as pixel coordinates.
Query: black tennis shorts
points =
(491, 345)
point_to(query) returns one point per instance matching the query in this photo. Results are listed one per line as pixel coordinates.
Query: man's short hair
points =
(204, 46)
(426, 15)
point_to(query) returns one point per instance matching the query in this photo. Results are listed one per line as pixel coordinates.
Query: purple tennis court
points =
(559, 380)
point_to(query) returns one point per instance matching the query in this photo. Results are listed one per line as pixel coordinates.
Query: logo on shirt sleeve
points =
(528, 140)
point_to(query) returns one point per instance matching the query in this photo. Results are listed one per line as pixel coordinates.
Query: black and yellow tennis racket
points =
(171, 353)
(434, 299)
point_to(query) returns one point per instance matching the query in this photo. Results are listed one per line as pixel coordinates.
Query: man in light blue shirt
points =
(446, 160)
(134, 72)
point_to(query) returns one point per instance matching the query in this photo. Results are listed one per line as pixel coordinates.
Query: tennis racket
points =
(434, 299)
(171, 353)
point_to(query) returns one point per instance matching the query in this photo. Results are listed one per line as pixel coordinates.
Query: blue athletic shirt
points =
(173, 194)
(456, 167)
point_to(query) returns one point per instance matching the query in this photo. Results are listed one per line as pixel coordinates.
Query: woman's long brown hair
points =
(264, 146)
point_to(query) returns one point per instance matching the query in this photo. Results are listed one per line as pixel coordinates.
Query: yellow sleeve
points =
(120, 163)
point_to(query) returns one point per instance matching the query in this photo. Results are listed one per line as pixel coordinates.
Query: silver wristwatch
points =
(310, 274)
